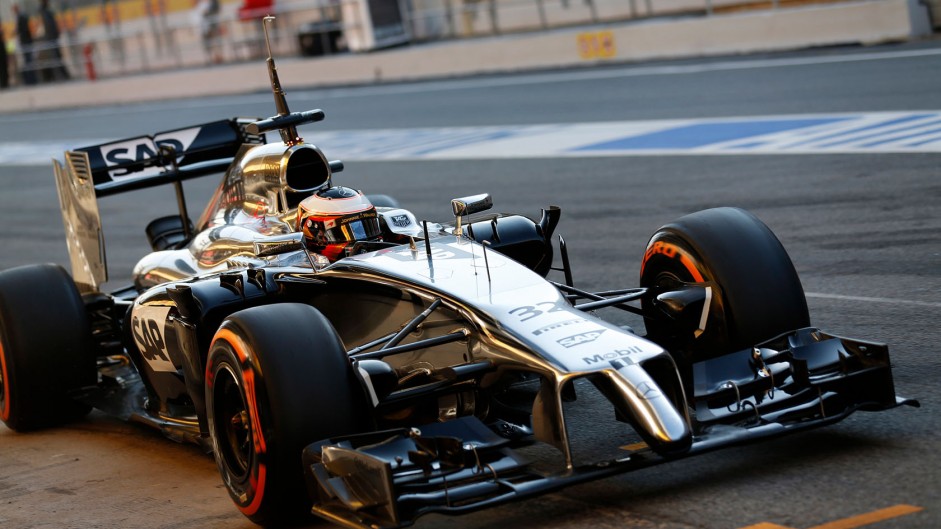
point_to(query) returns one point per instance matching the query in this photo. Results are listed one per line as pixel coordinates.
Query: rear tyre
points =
(756, 292)
(278, 378)
(45, 348)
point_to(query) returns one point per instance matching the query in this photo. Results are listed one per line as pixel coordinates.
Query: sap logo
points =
(579, 339)
(142, 152)
(149, 329)
(558, 325)
(149, 338)
(613, 355)
(127, 157)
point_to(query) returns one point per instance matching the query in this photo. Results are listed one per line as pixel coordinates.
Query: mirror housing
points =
(472, 204)
(468, 206)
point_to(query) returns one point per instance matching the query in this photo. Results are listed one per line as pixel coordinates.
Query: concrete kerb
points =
(865, 22)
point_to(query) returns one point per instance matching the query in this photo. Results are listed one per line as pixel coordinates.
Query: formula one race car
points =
(341, 358)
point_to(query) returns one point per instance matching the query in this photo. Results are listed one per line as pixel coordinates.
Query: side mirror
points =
(468, 206)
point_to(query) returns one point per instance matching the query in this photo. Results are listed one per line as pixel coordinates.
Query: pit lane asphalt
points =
(856, 226)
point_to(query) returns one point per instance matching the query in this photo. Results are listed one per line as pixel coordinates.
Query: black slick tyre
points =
(756, 293)
(45, 348)
(277, 379)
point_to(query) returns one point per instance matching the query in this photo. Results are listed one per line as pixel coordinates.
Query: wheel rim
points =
(231, 422)
(673, 273)
(668, 279)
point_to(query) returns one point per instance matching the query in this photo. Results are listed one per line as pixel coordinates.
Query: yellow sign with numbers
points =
(596, 45)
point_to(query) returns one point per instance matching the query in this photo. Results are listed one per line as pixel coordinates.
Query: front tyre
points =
(756, 292)
(277, 379)
(45, 347)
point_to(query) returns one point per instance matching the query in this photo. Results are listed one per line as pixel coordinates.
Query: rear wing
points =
(136, 163)
(145, 161)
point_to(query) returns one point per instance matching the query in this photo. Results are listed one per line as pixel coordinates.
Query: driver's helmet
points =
(334, 218)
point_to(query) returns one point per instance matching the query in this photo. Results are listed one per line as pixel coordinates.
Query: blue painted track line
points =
(870, 132)
(705, 134)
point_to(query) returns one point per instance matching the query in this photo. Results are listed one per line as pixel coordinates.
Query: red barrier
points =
(88, 54)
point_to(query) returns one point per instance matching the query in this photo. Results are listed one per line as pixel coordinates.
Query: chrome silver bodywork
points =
(253, 204)
(82, 221)
(523, 322)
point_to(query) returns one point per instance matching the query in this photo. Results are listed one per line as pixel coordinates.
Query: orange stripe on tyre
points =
(688, 263)
(258, 438)
(5, 410)
(672, 251)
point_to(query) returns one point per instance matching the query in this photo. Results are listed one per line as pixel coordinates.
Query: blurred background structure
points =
(93, 39)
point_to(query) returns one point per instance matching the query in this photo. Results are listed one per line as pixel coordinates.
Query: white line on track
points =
(883, 132)
(614, 73)
(865, 299)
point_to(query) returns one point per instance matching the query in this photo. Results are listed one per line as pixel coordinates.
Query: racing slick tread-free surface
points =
(45, 349)
(758, 293)
(296, 386)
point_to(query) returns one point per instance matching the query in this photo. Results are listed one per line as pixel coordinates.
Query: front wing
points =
(797, 381)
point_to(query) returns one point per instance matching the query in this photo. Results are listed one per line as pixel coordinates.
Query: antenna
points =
(288, 133)
(424, 224)
(486, 244)
(285, 122)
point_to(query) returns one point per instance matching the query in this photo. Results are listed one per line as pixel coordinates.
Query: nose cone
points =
(664, 427)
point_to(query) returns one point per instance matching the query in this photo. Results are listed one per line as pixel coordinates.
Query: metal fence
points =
(318, 27)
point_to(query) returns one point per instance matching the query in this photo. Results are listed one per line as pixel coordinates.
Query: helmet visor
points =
(361, 226)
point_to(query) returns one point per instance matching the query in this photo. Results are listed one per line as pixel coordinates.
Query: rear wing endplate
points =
(82, 221)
